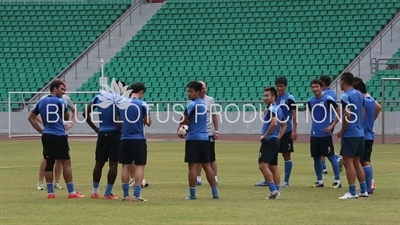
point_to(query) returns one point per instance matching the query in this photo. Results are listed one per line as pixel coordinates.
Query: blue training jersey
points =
(51, 110)
(107, 116)
(196, 111)
(273, 111)
(286, 103)
(132, 120)
(320, 110)
(369, 118)
(331, 93)
(355, 101)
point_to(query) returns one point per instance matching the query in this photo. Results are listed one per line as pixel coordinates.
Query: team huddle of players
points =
(358, 114)
(125, 142)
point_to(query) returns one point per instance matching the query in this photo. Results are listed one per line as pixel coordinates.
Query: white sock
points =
(198, 178)
(337, 181)
(95, 190)
(216, 178)
(321, 181)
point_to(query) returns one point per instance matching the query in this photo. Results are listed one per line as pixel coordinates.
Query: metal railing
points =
(367, 50)
(376, 63)
(107, 33)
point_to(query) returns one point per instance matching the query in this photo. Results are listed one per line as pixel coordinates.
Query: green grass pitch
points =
(240, 202)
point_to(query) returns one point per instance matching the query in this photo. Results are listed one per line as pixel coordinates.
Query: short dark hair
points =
(56, 84)
(348, 78)
(137, 87)
(281, 80)
(195, 85)
(357, 79)
(272, 90)
(361, 87)
(317, 81)
(326, 80)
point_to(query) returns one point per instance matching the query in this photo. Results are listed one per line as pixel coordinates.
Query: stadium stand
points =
(239, 46)
(392, 88)
(395, 63)
(40, 39)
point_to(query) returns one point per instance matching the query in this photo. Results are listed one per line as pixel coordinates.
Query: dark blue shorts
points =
(321, 146)
(352, 146)
(269, 152)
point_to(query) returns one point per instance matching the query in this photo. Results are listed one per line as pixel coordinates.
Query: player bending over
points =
(372, 110)
(107, 145)
(326, 82)
(321, 143)
(212, 129)
(133, 141)
(197, 141)
(68, 125)
(272, 131)
(352, 134)
(287, 104)
(54, 137)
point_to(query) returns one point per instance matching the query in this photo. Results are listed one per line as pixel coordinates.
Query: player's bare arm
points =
(329, 129)
(215, 123)
(282, 130)
(147, 120)
(39, 120)
(88, 118)
(274, 123)
(32, 120)
(345, 121)
(378, 108)
(70, 106)
(71, 122)
(294, 124)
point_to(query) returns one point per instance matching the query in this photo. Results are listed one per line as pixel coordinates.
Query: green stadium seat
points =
(41, 38)
(236, 46)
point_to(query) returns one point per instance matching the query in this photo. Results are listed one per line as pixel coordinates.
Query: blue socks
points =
(70, 187)
(96, 184)
(368, 177)
(288, 170)
(192, 192)
(272, 187)
(323, 165)
(352, 189)
(214, 191)
(136, 191)
(335, 166)
(277, 187)
(317, 168)
(109, 188)
(125, 189)
(50, 188)
(363, 187)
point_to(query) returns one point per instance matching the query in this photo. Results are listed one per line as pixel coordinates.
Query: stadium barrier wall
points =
(20, 125)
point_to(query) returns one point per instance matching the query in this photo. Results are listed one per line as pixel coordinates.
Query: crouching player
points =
(321, 143)
(272, 131)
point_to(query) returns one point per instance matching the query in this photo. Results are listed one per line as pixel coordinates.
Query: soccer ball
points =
(183, 130)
